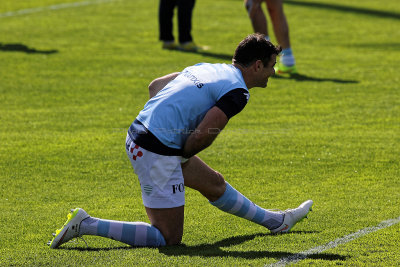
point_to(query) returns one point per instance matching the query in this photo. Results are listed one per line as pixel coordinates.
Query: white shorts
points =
(161, 178)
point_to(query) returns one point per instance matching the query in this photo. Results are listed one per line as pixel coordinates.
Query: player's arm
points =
(206, 132)
(156, 85)
(215, 120)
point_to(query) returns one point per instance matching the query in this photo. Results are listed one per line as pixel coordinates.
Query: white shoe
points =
(293, 216)
(70, 228)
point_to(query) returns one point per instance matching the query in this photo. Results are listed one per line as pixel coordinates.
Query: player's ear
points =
(258, 65)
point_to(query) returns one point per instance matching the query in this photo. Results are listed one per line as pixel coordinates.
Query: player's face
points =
(267, 71)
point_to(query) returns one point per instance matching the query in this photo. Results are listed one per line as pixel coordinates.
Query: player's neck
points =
(245, 74)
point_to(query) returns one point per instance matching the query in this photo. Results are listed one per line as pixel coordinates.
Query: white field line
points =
(52, 7)
(343, 240)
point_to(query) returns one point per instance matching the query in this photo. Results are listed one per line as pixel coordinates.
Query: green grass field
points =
(73, 78)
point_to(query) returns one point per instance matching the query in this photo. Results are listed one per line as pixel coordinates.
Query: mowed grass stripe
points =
(340, 241)
(52, 7)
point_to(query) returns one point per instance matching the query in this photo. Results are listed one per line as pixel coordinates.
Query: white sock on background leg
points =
(287, 57)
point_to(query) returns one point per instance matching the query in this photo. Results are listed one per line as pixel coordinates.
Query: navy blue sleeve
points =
(233, 102)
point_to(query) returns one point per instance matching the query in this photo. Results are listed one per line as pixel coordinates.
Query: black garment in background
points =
(165, 16)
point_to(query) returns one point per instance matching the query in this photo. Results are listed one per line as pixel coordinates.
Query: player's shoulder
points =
(213, 65)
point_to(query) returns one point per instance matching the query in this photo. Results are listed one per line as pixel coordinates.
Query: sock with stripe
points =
(137, 234)
(235, 203)
(287, 57)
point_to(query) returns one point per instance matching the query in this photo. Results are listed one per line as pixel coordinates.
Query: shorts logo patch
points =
(178, 188)
(138, 154)
(147, 189)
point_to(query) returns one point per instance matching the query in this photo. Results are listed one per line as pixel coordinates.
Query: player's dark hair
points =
(255, 47)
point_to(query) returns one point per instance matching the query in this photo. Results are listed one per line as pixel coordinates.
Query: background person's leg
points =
(165, 20)
(279, 22)
(257, 16)
(185, 11)
(281, 30)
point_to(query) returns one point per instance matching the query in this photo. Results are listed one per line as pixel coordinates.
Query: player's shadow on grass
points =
(343, 8)
(302, 77)
(25, 49)
(96, 249)
(394, 46)
(215, 250)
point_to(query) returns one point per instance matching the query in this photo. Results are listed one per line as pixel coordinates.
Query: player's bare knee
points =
(172, 234)
(171, 240)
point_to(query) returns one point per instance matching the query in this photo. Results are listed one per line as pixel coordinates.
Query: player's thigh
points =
(199, 176)
(161, 178)
(163, 191)
(169, 222)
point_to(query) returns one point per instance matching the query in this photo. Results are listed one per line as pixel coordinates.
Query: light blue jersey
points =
(175, 112)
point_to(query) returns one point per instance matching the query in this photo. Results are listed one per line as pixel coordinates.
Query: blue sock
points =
(235, 203)
(137, 234)
(287, 51)
(287, 57)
